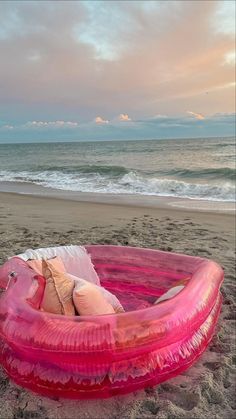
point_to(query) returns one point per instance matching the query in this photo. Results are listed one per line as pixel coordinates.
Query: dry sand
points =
(207, 389)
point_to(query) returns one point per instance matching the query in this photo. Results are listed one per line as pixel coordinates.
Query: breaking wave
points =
(118, 180)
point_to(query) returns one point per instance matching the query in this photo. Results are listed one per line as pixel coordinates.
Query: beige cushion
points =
(37, 264)
(58, 292)
(109, 297)
(89, 301)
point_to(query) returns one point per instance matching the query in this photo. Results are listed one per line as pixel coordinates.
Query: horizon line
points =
(55, 141)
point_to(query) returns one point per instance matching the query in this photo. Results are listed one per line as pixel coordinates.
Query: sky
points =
(99, 70)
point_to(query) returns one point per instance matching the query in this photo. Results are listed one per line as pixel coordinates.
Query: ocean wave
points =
(178, 188)
(113, 171)
(226, 173)
(128, 183)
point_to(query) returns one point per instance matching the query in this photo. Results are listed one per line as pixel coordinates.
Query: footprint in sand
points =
(181, 398)
(151, 406)
(212, 365)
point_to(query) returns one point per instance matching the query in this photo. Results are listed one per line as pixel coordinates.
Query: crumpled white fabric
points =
(76, 259)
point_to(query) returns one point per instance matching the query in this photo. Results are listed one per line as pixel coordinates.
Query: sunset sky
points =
(94, 70)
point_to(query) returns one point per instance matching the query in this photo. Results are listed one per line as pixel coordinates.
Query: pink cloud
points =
(124, 117)
(100, 120)
(198, 116)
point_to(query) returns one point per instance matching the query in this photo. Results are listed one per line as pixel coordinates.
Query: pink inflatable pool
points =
(102, 356)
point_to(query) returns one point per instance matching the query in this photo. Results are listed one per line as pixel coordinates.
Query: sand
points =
(207, 389)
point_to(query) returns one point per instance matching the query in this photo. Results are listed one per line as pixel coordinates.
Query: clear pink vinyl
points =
(101, 356)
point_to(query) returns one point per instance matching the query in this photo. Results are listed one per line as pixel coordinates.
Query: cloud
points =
(67, 59)
(160, 116)
(184, 121)
(124, 117)
(51, 124)
(100, 120)
(198, 116)
(223, 119)
(220, 124)
(7, 127)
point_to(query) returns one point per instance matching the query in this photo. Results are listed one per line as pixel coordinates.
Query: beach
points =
(207, 389)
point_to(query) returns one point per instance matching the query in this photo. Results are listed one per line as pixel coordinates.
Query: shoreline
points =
(135, 200)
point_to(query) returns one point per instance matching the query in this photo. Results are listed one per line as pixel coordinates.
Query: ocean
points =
(202, 169)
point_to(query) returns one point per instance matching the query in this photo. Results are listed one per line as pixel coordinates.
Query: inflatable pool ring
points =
(101, 356)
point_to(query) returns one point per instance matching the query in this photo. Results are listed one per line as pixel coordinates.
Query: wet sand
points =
(207, 389)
